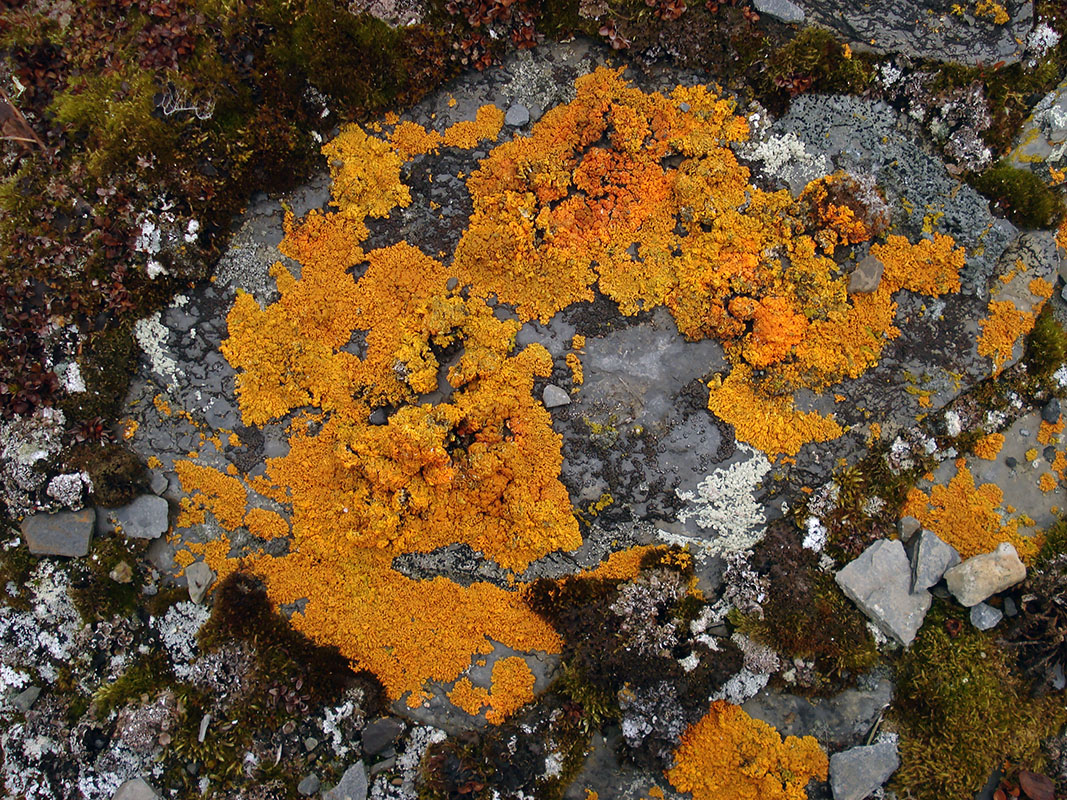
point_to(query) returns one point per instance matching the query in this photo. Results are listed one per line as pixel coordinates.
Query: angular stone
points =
(64, 534)
(879, 583)
(984, 616)
(158, 482)
(122, 573)
(984, 575)
(352, 786)
(555, 397)
(25, 699)
(781, 9)
(517, 116)
(858, 772)
(144, 518)
(199, 578)
(380, 735)
(135, 789)
(907, 527)
(1050, 413)
(930, 557)
(308, 785)
(867, 276)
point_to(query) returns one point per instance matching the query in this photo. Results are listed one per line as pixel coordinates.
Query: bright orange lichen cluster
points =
(988, 447)
(730, 754)
(1004, 326)
(966, 517)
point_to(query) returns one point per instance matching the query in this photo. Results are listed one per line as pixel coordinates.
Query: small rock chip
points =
(517, 116)
(907, 527)
(353, 785)
(380, 735)
(1011, 462)
(984, 575)
(930, 557)
(867, 276)
(199, 577)
(984, 616)
(1010, 609)
(158, 482)
(64, 534)
(1049, 453)
(308, 785)
(25, 699)
(1051, 412)
(781, 9)
(879, 583)
(144, 518)
(122, 573)
(136, 789)
(205, 721)
(858, 772)
(311, 743)
(555, 397)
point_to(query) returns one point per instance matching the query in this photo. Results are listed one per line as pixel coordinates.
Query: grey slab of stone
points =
(930, 557)
(879, 583)
(199, 577)
(308, 785)
(517, 116)
(984, 617)
(352, 786)
(867, 276)
(379, 735)
(982, 576)
(555, 397)
(858, 772)
(781, 9)
(135, 789)
(158, 482)
(145, 518)
(1043, 138)
(907, 527)
(1050, 412)
(64, 534)
(25, 699)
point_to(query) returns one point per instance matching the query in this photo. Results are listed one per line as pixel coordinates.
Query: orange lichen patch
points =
(409, 139)
(1048, 482)
(730, 754)
(1031, 454)
(511, 689)
(162, 406)
(1039, 287)
(930, 266)
(1061, 235)
(365, 174)
(622, 564)
(777, 328)
(1059, 465)
(771, 424)
(234, 440)
(837, 224)
(988, 447)
(154, 462)
(129, 428)
(210, 490)
(1004, 326)
(468, 697)
(266, 524)
(575, 364)
(1047, 432)
(485, 127)
(965, 516)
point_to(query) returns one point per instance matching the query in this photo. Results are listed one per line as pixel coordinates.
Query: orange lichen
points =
(988, 447)
(1039, 287)
(208, 489)
(409, 139)
(266, 524)
(485, 127)
(511, 689)
(162, 406)
(1048, 432)
(730, 754)
(1048, 482)
(966, 517)
(930, 266)
(1001, 330)
(468, 697)
(154, 462)
(575, 364)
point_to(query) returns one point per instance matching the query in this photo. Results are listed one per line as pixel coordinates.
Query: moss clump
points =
(1020, 194)
(108, 360)
(962, 710)
(1046, 346)
(117, 474)
(94, 592)
(146, 676)
(816, 61)
(1055, 544)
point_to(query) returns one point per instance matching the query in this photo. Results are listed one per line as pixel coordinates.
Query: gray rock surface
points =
(1043, 138)
(783, 10)
(907, 527)
(25, 699)
(135, 789)
(64, 534)
(858, 772)
(144, 518)
(982, 576)
(199, 577)
(158, 482)
(308, 785)
(352, 786)
(380, 734)
(879, 583)
(555, 397)
(866, 276)
(844, 718)
(930, 557)
(984, 617)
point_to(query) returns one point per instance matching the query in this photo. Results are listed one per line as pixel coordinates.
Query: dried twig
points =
(13, 125)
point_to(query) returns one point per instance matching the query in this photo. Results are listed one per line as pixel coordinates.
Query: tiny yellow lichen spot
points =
(1031, 454)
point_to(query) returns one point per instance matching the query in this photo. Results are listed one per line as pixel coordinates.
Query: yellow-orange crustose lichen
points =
(511, 689)
(966, 517)
(988, 447)
(636, 194)
(729, 754)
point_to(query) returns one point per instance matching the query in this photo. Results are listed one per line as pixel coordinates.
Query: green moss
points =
(108, 360)
(117, 474)
(94, 593)
(962, 710)
(1046, 346)
(815, 61)
(16, 564)
(147, 676)
(1021, 195)
(1055, 544)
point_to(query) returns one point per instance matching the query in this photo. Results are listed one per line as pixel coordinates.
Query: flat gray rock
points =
(879, 583)
(783, 10)
(907, 527)
(199, 577)
(555, 397)
(25, 699)
(380, 735)
(930, 557)
(135, 789)
(64, 534)
(144, 518)
(858, 772)
(352, 786)
(308, 785)
(984, 575)
(517, 116)
(984, 617)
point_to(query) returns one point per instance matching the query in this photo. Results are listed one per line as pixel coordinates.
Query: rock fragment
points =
(199, 577)
(379, 735)
(858, 772)
(518, 115)
(783, 10)
(867, 276)
(984, 575)
(879, 583)
(64, 534)
(555, 397)
(1050, 413)
(25, 699)
(144, 518)
(984, 616)
(907, 527)
(308, 785)
(135, 789)
(352, 786)
(930, 557)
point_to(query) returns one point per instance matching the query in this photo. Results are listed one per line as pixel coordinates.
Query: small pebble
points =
(1049, 453)
(1011, 462)
(308, 785)
(984, 616)
(1051, 412)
